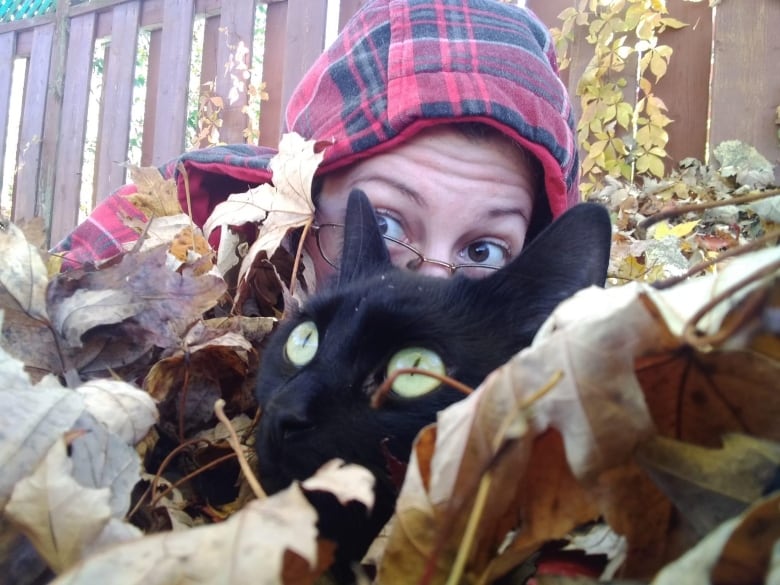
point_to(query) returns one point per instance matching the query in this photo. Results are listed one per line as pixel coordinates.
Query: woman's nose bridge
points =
(435, 269)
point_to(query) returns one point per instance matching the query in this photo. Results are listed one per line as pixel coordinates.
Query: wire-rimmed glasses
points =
(330, 242)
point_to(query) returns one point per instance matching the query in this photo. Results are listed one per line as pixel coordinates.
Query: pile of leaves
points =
(641, 426)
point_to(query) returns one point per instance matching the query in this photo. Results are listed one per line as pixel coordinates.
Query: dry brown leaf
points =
(156, 196)
(709, 486)
(738, 552)
(61, 517)
(600, 411)
(120, 407)
(277, 208)
(139, 291)
(249, 547)
(22, 272)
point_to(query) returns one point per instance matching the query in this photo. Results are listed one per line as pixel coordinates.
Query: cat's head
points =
(322, 365)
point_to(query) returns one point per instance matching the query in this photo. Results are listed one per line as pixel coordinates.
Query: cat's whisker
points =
(386, 387)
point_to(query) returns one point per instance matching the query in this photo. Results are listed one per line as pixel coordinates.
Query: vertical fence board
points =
(70, 147)
(235, 47)
(7, 42)
(271, 110)
(114, 135)
(53, 114)
(150, 104)
(304, 41)
(31, 132)
(548, 10)
(685, 87)
(346, 9)
(171, 109)
(746, 84)
(209, 68)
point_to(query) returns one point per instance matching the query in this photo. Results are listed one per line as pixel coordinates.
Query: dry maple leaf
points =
(741, 551)
(598, 340)
(709, 486)
(276, 208)
(141, 289)
(69, 504)
(263, 543)
(155, 196)
(63, 518)
(22, 272)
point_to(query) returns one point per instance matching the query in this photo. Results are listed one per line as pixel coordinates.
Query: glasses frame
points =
(413, 264)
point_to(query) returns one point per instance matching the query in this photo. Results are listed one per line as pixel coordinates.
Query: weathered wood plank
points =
(305, 41)
(346, 9)
(685, 87)
(237, 25)
(75, 100)
(53, 114)
(271, 110)
(114, 134)
(31, 131)
(7, 43)
(209, 67)
(171, 113)
(150, 103)
(745, 84)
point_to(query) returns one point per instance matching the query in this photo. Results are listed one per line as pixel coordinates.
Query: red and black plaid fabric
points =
(397, 67)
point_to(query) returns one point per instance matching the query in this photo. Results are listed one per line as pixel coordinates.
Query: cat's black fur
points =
(321, 411)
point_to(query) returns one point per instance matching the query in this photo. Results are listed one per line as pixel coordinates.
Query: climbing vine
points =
(622, 127)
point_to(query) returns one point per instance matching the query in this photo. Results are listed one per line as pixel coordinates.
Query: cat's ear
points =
(364, 253)
(572, 253)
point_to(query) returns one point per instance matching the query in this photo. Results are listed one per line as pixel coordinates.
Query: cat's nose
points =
(285, 424)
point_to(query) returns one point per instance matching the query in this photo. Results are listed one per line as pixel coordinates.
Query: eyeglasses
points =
(330, 242)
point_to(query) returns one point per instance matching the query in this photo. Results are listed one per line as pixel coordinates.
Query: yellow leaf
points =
(663, 230)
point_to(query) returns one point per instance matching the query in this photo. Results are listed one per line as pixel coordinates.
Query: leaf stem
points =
(219, 410)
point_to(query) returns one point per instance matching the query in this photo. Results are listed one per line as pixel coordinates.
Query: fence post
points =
(745, 83)
(53, 115)
(685, 87)
(118, 78)
(171, 107)
(7, 46)
(31, 132)
(237, 22)
(73, 126)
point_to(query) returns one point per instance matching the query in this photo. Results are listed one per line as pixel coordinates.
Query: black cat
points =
(322, 365)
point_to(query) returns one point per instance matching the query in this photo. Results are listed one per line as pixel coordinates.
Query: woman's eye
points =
(415, 385)
(302, 344)
(485, 252)
(390, 226)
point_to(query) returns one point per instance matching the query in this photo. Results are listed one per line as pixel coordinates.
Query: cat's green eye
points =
(302, 344)
(414, 385)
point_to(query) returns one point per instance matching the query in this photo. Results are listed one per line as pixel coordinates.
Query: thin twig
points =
(690, 334)
(160, 470)
(182, 169)
(298, 254)
(219, 410)
(380, 394)
(191, 475)
(683, 209)
(470, 533)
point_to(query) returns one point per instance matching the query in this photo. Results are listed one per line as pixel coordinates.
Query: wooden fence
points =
(722, 82)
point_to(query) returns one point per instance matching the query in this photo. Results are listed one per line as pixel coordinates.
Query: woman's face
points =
(454, 198)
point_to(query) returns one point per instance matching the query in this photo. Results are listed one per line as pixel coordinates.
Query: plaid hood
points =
(397, 67)
(402, 65)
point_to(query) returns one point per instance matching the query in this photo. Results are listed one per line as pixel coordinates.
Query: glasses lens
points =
(475, 270)
(403, 255)
(330, 238)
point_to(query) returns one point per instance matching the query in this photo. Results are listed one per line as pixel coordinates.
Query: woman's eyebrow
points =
(398, 186)
(507, 211)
